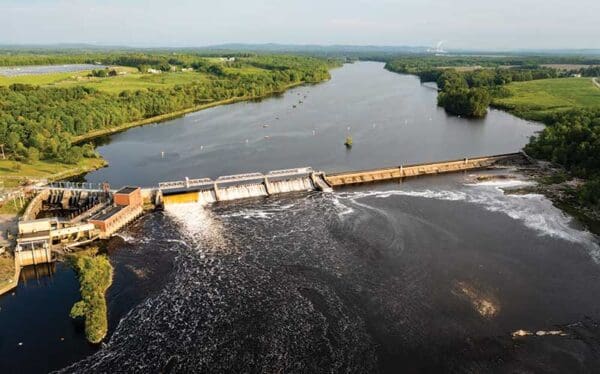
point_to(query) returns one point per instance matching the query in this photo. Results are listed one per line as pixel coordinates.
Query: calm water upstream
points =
(392, 118)
(431, 275)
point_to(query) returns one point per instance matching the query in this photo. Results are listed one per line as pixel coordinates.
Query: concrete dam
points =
(241, 186)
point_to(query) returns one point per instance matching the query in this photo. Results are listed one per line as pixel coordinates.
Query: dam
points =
(242, 186)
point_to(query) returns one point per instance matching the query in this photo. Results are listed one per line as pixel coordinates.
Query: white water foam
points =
(267, 211)
(242, 191)
(199, 225)
(126, 237)
(503, 183)
(534, 210)
(297, 184)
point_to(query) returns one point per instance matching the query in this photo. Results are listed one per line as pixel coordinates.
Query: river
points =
(431, 275)
(392, 118)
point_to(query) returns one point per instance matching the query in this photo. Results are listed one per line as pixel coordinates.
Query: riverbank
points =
(168, 116)
(13, 173)
(562, 190)
(9, 273)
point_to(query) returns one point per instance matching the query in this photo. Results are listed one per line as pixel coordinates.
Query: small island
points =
(95, 275)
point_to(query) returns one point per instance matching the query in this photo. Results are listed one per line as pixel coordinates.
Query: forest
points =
(467, 90)
(39, 122)
(572, 139)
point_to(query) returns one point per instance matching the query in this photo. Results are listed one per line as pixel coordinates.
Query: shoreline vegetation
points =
(563, 97)
(169, 116)
(44, 127)
(95, 274)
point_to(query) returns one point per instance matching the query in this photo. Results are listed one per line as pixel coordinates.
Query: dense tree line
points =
(11, 57)
(39, 122)
(572, 139)
(592, 71)
(469, 92)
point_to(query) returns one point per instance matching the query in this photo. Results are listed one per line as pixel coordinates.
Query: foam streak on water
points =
(534, 210)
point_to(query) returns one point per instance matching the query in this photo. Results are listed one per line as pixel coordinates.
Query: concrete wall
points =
(27, 256)
(133, 198)
(118, 220)
(37, 225)
(366, 176)
(35, 205)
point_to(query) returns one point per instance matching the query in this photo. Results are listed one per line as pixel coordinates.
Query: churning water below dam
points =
(435, 274)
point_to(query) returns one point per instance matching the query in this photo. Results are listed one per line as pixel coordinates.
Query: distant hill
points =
(316, 49)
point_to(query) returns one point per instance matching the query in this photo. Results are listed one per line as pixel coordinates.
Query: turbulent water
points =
(420, 276)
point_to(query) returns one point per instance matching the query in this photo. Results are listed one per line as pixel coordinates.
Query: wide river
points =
(432, 275)
(392, 118)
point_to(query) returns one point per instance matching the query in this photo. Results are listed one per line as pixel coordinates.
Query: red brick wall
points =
(100, 225)
(134, 198)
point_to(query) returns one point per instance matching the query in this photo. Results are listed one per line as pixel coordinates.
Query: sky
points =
(461, 24)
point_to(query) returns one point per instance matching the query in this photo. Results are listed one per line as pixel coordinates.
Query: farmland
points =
(538, 98)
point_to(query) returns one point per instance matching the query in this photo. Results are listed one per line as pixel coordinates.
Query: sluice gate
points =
(242, 186)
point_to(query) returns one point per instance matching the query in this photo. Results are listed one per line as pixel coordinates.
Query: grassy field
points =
(535, 99)
(12, 173)
(132, 80)
(7, 269)
(136, 81)
(42, 79)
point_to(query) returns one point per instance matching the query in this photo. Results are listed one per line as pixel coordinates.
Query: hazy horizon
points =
(463, 24)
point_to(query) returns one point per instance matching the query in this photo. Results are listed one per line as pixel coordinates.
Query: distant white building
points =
(227, 59)
(154, 71)
(576, 75)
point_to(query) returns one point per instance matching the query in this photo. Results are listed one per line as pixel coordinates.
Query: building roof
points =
(107, 213)
(127, 190)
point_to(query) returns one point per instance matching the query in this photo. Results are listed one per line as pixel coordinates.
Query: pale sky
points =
(471, 24)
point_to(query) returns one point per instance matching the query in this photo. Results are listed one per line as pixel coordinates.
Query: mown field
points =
(132, 80)
(12, 173)
(538, 98)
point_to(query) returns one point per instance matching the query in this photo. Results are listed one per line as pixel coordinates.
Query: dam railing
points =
(239, 186)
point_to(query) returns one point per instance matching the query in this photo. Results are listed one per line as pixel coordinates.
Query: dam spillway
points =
(242, 186)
